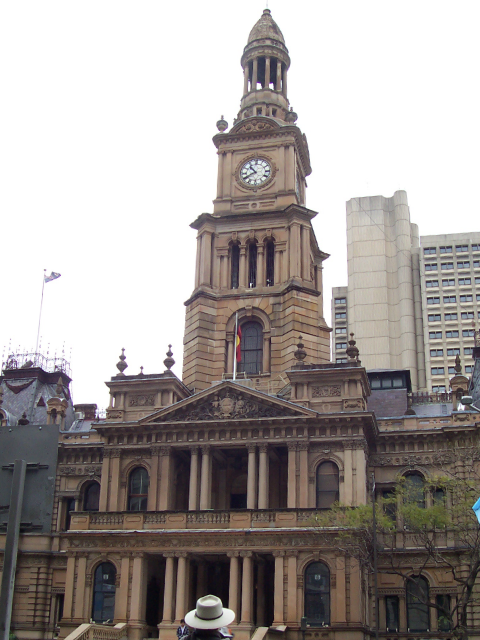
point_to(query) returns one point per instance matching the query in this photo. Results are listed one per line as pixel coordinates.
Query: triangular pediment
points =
(228, 401)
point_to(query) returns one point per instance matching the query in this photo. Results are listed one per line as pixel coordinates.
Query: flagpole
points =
(40, 314)
(235, 347)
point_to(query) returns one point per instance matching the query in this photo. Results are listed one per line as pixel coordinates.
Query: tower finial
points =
(121, 364)
(169, 361)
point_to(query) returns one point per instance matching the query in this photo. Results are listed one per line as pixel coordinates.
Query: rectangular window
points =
(477, 280)
(464, 281)
(435, 335)
(431, 284)
(463, 265)
(450, 282)
(433, 300)
(466, 298)
(340, 301)
(453, 352)
(429, 251)
(341, 330)
(445, 249)
(476, 264)
(461, 248)
(341, 345)
(449, 299)
(446, 266)
(467, 315)
(438, 389)
(434, 317)
(451, 316)
(478, 297)
(389, 503)
(469, 368)
(451, 371)
(468, 351)
(451, 334)
(475, 247)
(341, 360)
(468, 333)
(340, 315)
(431, 266)
(436, 353)
(438, 371)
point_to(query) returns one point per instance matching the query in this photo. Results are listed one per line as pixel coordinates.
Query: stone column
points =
(139, 590)
(230, 351)
(251, 479)
(193, 487)
(292, 586)
(260, 265)
(103, 500)
(121, 595)
(206, 258)
(255, 74)
(305, 253)
(303, 483)
(79, 613)
(233, 584)
(198, 261)
(266, 84)
(278, 86)
(284, 88)
(294, 246)
(245, 80)
(181, 575)
(278, 617)
(276, 265)
(266, 352)
(292, 475)
(69, 586)
(242, 267)
(166, 461)
(115, 480)
(168, 593)
(402, 614)
(263, 477)
(152, 504)
(247, 583)
(348, 476)
(205, 478)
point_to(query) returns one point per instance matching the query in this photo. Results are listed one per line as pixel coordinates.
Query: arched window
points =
(251, 348)
(252, 264)
(418, 618)
(270, 255)
(103, 607)
(327, 485)
(91, 497)
(415, 489)
(317, 594)
(138, 490)
(234, 265)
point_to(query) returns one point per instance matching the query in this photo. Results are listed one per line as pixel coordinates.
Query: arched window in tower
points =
(251, 348)
(234, 265)
(317, 594)
(103, 607)
(270, 255)
(327, 485)
(418, 618)
(91, 497)
(252, 265)
(138, 490)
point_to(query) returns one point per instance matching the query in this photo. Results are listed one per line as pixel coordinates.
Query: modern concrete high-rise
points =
(411, 302)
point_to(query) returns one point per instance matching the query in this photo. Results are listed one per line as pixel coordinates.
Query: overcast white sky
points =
(106, 118)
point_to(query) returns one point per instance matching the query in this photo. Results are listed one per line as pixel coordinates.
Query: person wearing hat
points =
(208, 617)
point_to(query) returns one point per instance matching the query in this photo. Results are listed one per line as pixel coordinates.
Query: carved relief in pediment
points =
(228, 405)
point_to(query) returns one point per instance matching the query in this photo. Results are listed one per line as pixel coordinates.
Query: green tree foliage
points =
(421, 525)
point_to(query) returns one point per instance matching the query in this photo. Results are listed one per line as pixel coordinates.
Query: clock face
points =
(255, 172)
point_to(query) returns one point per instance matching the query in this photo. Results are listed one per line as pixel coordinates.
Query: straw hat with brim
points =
(209, 614)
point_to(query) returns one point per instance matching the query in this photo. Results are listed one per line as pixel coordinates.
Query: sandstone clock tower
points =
(257, 255)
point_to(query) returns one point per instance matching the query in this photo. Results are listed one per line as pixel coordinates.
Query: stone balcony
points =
(208, 519)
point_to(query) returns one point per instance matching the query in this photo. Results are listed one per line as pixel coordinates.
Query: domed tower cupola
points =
(265, 63)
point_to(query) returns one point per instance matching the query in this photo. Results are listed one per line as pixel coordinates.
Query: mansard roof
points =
(228, 400)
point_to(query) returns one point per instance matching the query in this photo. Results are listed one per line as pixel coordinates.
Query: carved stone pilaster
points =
(181, 554)
(233, 554)
(303, 446)
(292, 446)
(246, 554)
(278, 554)
(165, 451)
(206, 448)
(263, 448)
(155, 450)
(251, 448)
